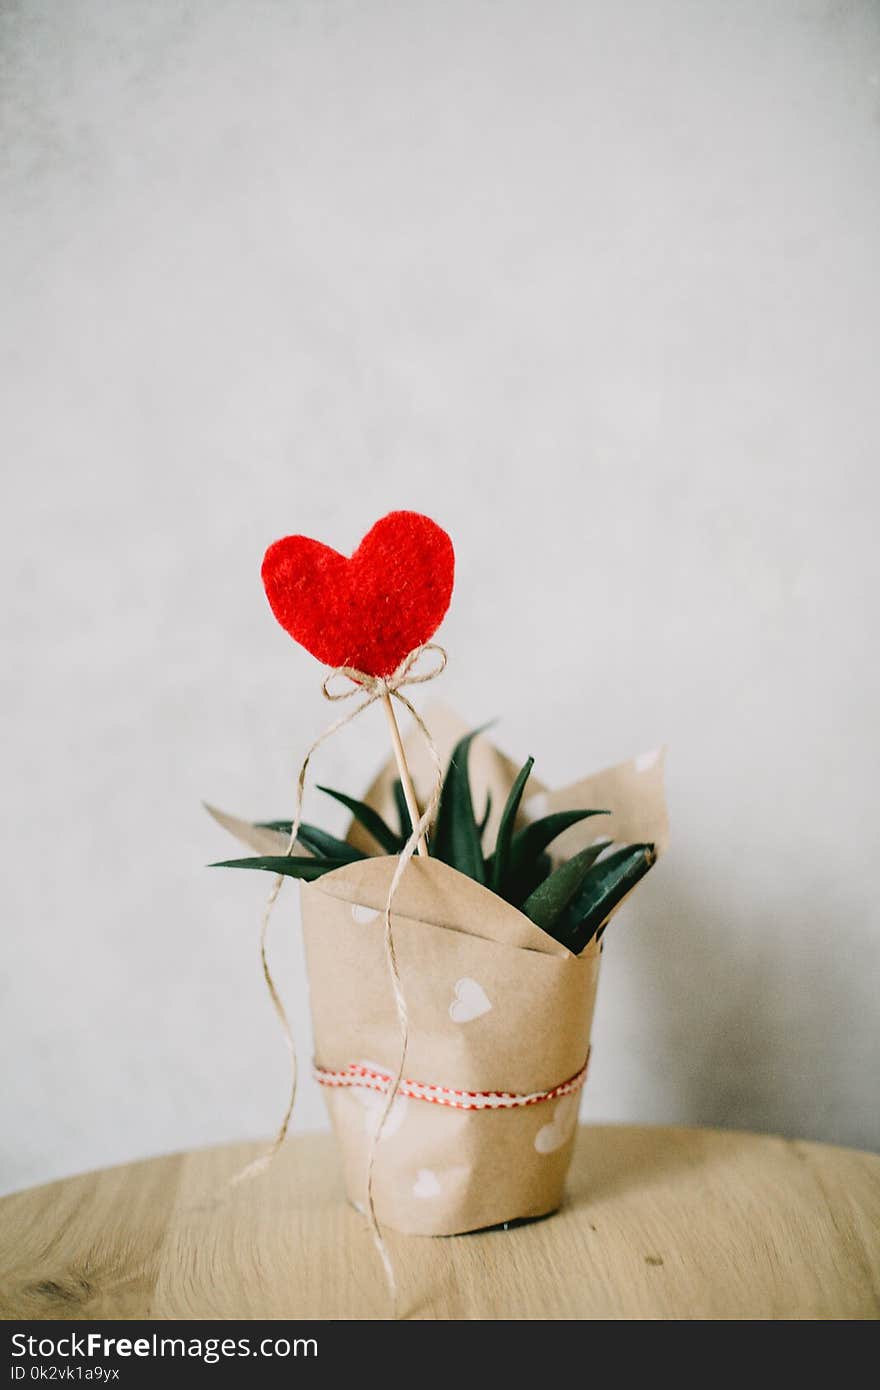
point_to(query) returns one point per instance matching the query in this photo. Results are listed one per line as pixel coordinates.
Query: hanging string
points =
(374, 688)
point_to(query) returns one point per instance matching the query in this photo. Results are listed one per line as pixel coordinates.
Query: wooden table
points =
(658, 1223)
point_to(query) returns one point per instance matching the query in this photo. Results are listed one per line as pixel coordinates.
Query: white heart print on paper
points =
(363, 915)
(469, 1001)
(373, 1105)
(536, 806)
(427, 1184)
(552, 1137)
(647, 760)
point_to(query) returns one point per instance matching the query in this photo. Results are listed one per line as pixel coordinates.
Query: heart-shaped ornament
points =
(367, 611)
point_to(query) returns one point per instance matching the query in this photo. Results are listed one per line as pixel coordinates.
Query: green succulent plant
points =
(570, 901)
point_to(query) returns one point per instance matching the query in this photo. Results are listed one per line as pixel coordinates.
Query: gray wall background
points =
(595, 285)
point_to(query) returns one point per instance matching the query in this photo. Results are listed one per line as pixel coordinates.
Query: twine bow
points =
(375, 688)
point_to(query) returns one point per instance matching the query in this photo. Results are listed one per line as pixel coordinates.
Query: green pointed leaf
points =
(543, 868)
(501, 856)
(531, 841)
(370, 820)
(456, 838)
(603, 888)
(532, 875)
(326, 846)
(540, 833)
(486, 814)
(292, 865)
(547, 903)
(317, 841)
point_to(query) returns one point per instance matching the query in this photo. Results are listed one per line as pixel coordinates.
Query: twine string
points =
(406, 854)
(376, 688)
(261, 1163)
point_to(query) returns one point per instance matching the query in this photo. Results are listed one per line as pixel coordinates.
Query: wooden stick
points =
(406, 781)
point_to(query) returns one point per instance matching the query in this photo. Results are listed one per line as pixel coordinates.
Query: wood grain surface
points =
(658, 1223)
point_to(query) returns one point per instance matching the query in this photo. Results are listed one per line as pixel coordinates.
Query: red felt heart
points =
(368, 611)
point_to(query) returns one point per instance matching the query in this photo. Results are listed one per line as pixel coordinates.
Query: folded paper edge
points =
(429, 886)
(258, 837)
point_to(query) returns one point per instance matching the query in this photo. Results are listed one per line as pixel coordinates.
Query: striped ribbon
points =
(361, 1074)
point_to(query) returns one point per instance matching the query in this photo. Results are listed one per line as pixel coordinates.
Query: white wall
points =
(596, 286)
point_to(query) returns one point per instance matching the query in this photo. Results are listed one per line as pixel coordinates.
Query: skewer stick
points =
(406, 781)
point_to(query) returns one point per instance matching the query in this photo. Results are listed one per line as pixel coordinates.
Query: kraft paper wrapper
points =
(494, 1003)
(461, 951)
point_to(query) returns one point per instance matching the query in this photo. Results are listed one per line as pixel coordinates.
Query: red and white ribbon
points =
(362, 1074)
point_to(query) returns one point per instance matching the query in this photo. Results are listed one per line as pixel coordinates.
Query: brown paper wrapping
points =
(494, 1003)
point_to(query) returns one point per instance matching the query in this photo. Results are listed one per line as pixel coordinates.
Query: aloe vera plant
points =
(571, 901)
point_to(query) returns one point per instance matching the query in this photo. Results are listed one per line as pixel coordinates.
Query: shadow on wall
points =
(726, 1025)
